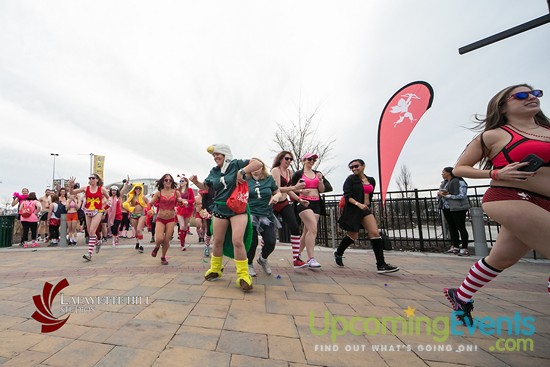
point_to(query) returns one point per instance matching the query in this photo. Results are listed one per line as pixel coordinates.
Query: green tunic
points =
(224, 184)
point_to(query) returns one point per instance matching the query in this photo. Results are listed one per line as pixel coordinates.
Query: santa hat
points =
(222, 149)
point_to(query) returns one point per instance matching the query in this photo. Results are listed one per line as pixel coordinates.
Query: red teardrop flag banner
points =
(398, 119)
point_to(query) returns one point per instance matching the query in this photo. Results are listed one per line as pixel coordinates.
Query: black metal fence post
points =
(419, 219)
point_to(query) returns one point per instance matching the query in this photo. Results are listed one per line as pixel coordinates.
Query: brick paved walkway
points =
(184, 321)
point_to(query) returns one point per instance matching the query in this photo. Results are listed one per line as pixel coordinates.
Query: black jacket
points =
(351, 217)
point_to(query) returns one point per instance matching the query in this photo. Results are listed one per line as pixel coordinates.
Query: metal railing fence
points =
(411, 219)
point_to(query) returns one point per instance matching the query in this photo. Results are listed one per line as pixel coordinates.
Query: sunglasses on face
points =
(524, 95)
(311, 159)
(167, 180)
(91, 178)
(354, 166)
(137, 188)
(289, 159)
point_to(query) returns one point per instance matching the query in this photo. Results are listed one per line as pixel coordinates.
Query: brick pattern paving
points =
(182, 320)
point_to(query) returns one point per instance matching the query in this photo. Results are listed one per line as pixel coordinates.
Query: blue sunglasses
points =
(524, 95)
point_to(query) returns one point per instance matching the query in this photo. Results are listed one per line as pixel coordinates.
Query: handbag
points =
(277, 207)
(386, 242)
(238, 199)
(328, 186)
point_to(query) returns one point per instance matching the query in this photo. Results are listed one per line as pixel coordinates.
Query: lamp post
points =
(53, 174)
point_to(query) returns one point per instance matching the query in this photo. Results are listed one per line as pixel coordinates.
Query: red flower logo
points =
(43, 304)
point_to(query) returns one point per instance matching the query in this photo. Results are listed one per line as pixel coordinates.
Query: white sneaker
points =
(464, 252)
(265, 265)
(251, 270)
(312, 263)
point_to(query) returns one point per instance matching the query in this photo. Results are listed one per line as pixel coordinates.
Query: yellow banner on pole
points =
(99, 165)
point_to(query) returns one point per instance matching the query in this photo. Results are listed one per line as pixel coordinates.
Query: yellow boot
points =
(216, 268)
(244, 280)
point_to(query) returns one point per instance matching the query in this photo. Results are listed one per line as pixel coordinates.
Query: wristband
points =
(243, 172)
(356, 203)
(494, 174)
(491, 174)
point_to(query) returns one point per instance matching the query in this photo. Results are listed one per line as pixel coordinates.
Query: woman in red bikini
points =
(93, 208)
(184, 211)
(168, 197)
(519, 200)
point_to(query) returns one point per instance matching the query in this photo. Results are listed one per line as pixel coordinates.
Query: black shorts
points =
(314, 205)
(44, 217)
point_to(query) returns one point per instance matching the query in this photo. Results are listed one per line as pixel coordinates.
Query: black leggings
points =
(54, 232)
(125, 222)
(457, 225)
(208, 229)
(115, 227)
(288, 216)
(269, 235)
(33, 226)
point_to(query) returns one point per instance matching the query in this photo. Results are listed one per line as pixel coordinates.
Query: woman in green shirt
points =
(263, 192)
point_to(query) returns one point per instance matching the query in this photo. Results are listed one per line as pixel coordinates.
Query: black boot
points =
(339, 253)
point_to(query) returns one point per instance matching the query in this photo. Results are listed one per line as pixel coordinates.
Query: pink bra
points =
(311, 183)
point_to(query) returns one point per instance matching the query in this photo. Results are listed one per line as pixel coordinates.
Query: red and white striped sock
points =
(548, 285)
(480, 274)
(295, 243)
(92, 240)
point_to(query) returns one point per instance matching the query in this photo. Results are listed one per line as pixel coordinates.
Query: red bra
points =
(519, 147)
(167, 203)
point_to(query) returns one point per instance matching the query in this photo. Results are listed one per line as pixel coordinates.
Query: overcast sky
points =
(150, 84)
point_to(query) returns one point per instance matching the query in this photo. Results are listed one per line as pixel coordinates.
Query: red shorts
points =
(72, 217)
(500, 193)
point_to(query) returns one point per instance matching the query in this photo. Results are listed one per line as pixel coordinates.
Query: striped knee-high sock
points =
(91, 244)
(548, 285)
(480, 274)
(295, 243)
(207, 239)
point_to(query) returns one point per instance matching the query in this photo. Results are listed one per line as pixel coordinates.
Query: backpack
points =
(27, 208)
(61, 209)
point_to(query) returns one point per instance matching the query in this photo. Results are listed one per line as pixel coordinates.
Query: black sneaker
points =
(463, 310)
(387, 268)
(338, 259)
(88, 257)
(137, 246)
(140, 249)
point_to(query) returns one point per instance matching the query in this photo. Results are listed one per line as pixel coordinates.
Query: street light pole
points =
(53, 174)
(91, 163)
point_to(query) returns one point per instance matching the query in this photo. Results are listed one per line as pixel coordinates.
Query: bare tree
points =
(404, 181)
(301, 137)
